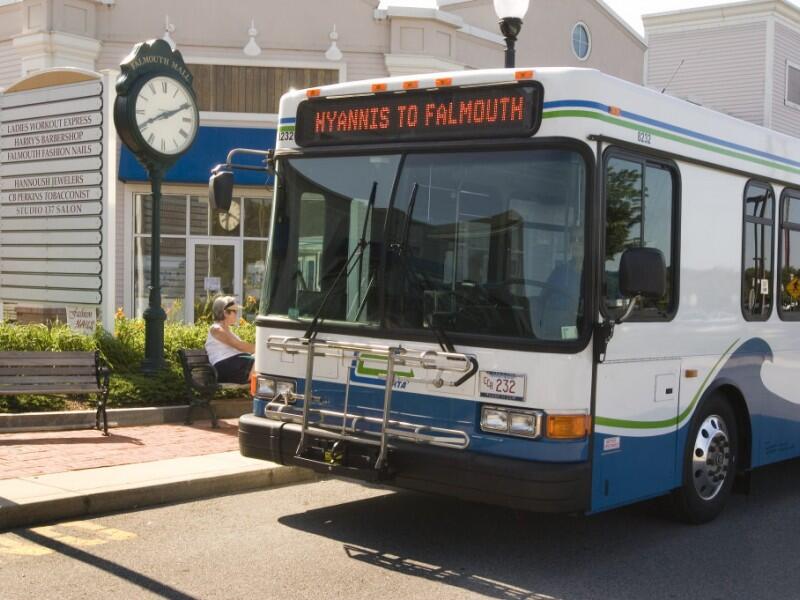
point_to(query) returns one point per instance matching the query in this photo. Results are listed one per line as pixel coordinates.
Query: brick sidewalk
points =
(39, 453)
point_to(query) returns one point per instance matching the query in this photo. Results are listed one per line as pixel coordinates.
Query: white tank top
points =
(218, 350)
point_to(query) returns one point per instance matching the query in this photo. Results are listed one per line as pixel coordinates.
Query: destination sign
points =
(71, 136)
(442, 114)
(65, 195)
(70, 121)
(49, 210)
(51, 166)
(51, 181)
(51, 152)
(52, 109)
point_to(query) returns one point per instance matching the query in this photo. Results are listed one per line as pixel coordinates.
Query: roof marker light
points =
(410, 85)
(444, 82)
(524, 75)
(379, 87)
(312, 93)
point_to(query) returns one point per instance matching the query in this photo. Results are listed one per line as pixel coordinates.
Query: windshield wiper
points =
(399, 249)
(357, 254)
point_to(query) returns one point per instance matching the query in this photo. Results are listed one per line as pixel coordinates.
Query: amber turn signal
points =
(253, 384)
(567, 427)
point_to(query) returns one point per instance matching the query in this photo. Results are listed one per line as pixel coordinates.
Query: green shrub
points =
(123, 352)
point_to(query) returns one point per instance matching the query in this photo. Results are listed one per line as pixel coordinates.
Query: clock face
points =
(166, 115)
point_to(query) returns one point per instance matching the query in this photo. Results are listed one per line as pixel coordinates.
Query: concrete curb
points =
(118, 417)
(81, 504)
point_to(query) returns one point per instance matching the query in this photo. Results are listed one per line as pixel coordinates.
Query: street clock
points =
(156, 109)
(156, 117)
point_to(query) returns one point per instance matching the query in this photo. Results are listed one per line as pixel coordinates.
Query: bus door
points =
(637, 384)
(635, 441)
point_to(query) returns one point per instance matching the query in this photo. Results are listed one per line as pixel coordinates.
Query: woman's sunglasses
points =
(229, 311)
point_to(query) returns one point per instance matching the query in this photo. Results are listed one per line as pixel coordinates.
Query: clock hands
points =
(165, 115)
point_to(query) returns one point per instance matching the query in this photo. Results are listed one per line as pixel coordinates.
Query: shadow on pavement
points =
(112, 438)
(625, 554)
(144, 582)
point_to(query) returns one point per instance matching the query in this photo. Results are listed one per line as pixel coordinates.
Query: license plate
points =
(506, 386)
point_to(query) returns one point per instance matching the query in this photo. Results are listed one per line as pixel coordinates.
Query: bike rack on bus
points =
(348, 426)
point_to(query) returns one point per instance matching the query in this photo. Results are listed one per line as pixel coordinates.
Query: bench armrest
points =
(103, 376)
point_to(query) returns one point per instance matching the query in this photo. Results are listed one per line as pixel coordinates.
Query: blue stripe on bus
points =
(674, 128)
(438, 411)
(287, 120)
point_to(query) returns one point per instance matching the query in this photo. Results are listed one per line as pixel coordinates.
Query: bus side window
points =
(641, 208)
(759, 218)
(789, 252)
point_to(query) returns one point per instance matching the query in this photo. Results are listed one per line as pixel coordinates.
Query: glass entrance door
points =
(216, 268)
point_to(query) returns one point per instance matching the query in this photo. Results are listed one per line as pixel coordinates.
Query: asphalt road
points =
(332, 539)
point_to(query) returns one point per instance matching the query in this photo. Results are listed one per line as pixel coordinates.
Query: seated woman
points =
(231, 357)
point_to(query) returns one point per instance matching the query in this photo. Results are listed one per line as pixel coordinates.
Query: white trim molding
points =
(231, 119)
(769, 73)
(44, 50)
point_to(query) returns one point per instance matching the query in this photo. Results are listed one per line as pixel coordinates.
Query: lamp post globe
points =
(510, 13)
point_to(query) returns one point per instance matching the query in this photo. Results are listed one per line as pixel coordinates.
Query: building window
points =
(641, 211)
(792, 85)
(225, 253)
(759, 201)
(789, 257)
(581, 41)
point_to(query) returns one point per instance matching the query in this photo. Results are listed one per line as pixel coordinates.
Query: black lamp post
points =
(510, 13)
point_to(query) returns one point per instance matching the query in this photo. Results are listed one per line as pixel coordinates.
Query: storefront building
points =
(243, 56)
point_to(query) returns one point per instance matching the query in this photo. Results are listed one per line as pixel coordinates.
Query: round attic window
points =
(581, 41)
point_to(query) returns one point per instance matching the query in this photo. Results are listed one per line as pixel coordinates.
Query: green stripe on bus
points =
(608, 422)
(586, 114)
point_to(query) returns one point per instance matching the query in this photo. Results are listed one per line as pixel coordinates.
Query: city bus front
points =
(426, 318)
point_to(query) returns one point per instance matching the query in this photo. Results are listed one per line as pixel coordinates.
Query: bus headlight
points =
(510, 421)
(494, 419)
(271, 388)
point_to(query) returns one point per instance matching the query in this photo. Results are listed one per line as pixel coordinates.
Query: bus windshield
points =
(487, 243)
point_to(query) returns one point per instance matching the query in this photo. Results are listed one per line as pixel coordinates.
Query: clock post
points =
(154, 315)
(157, 119)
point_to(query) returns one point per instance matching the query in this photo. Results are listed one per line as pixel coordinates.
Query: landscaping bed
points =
(123, 352)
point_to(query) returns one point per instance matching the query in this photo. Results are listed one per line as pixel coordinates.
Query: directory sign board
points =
(57, 159)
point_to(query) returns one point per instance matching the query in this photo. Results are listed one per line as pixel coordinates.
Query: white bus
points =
(548, 289)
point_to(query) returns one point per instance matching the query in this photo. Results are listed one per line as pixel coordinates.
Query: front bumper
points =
(536, 486)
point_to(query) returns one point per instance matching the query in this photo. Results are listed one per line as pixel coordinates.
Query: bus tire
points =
(709, 462)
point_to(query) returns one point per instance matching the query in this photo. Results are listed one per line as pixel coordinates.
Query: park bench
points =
(56, 373)
(201, 382)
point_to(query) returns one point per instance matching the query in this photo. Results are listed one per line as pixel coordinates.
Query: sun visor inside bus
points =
(511, 110)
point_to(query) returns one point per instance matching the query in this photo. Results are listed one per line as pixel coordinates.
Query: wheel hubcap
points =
(711, 459)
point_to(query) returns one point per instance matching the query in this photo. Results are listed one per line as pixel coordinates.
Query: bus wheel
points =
(709, 463)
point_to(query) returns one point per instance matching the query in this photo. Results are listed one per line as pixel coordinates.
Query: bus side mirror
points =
(220, 188)
(642, 272)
